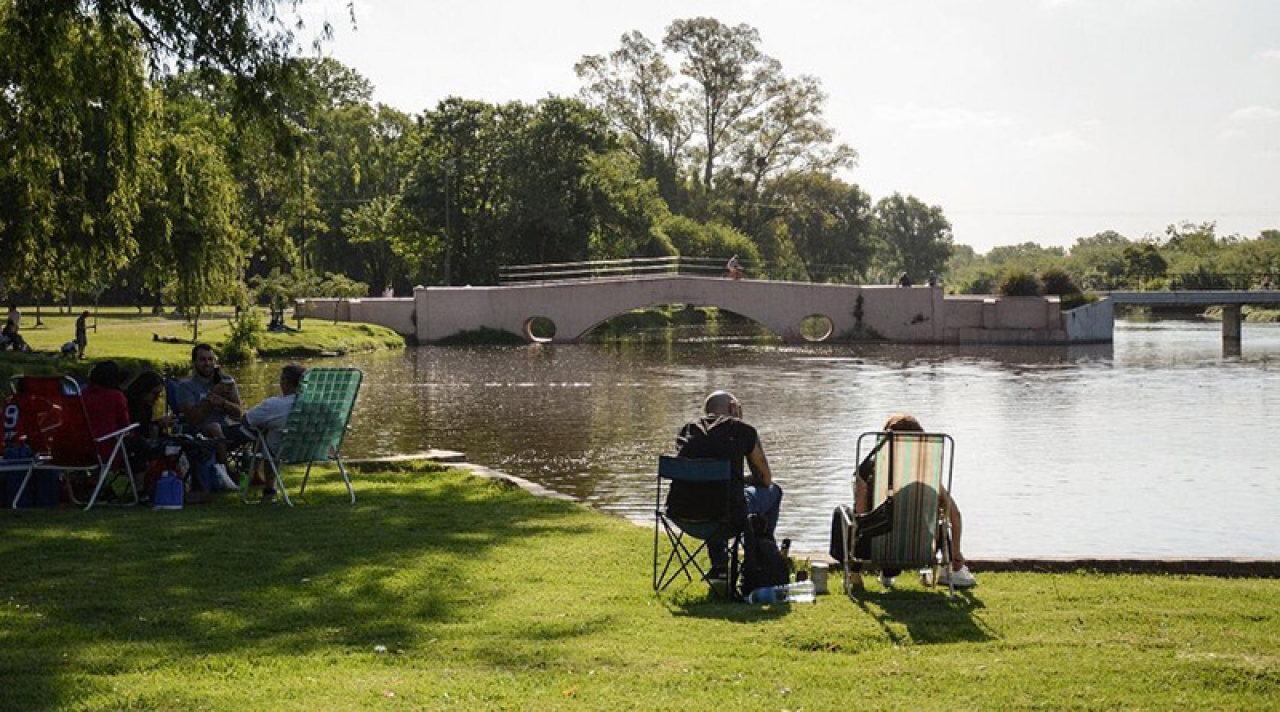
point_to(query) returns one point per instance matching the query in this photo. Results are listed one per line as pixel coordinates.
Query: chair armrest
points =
(117, 433)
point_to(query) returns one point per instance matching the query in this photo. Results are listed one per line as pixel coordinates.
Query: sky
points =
(1024, 120)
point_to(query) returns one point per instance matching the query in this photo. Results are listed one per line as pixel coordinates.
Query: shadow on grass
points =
(925, 617)
(228, 578)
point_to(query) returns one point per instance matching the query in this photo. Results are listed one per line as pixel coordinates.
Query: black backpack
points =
(762, 563)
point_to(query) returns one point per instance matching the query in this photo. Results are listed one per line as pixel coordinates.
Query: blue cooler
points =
(169, 492)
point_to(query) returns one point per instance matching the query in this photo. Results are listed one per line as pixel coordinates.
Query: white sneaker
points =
(886, 581)
(960, 578)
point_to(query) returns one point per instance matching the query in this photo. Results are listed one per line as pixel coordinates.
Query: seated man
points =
(208, 401)
(958, 574)
(720, 434)
(270, 417)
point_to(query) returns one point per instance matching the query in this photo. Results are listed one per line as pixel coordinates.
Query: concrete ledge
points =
(1227, 567)
(532, 488)
(449, 456)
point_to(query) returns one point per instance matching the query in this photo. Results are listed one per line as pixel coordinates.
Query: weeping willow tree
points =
(79, 139)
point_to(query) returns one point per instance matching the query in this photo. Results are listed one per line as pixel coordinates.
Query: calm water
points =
(1154, 446)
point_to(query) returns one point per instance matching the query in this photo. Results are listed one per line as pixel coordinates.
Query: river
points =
(1156, 445)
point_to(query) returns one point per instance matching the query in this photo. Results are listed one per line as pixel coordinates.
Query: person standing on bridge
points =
(733, 270)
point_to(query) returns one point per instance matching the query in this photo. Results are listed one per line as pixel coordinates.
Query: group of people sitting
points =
(721, 434)
(207, 424)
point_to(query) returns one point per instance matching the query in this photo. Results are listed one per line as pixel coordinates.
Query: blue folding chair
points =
(714, 478)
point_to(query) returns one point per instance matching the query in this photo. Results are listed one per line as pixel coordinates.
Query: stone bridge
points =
(795, 311)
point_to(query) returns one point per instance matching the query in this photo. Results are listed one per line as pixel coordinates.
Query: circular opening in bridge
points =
(816, 327)
(539, 329)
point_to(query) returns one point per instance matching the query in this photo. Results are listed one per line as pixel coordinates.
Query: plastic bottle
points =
(768, 594)
(800, 592)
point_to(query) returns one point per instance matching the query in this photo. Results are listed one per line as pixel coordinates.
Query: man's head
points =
(722, 403)
(203, 360)
(291, 378)
(903, 423)
(106, 374)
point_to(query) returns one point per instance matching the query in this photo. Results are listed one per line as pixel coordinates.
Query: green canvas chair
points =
(911, 468)
(315, 429)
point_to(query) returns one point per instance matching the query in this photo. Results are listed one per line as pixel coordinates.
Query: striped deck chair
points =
(316, 427)
(911, 468)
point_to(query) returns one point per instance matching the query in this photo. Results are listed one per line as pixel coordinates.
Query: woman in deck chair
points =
(958, 574)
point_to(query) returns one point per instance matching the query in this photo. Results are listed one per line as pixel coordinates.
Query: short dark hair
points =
(106, 374)
(201, 347)
(292, 374)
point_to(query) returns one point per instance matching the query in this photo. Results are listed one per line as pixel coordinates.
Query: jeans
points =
(765, 501)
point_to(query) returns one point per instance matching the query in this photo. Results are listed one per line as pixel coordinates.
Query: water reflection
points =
(1158, 445)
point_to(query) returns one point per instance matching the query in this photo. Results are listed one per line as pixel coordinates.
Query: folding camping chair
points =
(910, 468)
(715, 479)
(316, 427)
(52, 415)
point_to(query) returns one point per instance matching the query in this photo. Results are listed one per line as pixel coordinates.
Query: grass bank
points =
(439, 590)
(163, 341)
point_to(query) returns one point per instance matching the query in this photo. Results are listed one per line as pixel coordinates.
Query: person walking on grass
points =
(82, 333)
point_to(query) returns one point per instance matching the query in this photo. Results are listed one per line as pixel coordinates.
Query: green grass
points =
(129, 337)
(486, 597)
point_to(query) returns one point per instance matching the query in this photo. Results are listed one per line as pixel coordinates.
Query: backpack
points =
(763, 565)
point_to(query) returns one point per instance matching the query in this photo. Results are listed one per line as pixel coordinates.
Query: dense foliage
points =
(1189, 256)
(186, 152)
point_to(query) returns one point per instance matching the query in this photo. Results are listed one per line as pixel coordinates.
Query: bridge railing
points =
(609, 269)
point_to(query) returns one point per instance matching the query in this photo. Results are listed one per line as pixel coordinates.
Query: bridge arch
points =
(752, 300)
(595, 327)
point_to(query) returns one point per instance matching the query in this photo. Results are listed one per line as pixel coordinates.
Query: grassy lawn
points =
(439, 590)
(129, 337)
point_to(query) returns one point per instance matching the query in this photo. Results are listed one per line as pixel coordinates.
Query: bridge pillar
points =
(1231, 329)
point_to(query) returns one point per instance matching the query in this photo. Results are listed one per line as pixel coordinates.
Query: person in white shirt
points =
(270, 417)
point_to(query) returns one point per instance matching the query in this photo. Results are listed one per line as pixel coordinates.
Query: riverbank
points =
(163, 342)
(439, 589)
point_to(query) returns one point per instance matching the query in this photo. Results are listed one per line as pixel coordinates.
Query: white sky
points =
(1026, 120)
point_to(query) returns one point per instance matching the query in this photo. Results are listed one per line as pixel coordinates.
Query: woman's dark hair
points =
(142, 384)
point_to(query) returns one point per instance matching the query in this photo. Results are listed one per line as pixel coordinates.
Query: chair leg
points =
(23, 487)
(102, 480)
(277, 479)
(302, 490)
(346, 479)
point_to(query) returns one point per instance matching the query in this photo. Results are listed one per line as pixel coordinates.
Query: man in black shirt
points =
(720, 434)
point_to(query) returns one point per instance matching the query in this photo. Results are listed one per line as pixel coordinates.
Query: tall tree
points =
(729, 75)
(74, 113)
(829, 223)
(633, 87)
(914, 237)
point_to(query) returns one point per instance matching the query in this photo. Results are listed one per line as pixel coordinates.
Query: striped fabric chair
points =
(911, 468)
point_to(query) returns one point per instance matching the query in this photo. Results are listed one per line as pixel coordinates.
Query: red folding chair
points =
(52, 415)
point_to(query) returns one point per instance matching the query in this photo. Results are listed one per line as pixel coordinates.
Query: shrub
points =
(244, 337)
(1057, 281)
(1019, 283)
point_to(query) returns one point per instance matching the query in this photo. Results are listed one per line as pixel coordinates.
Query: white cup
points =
(818, 573)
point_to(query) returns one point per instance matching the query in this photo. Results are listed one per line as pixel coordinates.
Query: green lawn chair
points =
(316, 427)
(911, 468)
